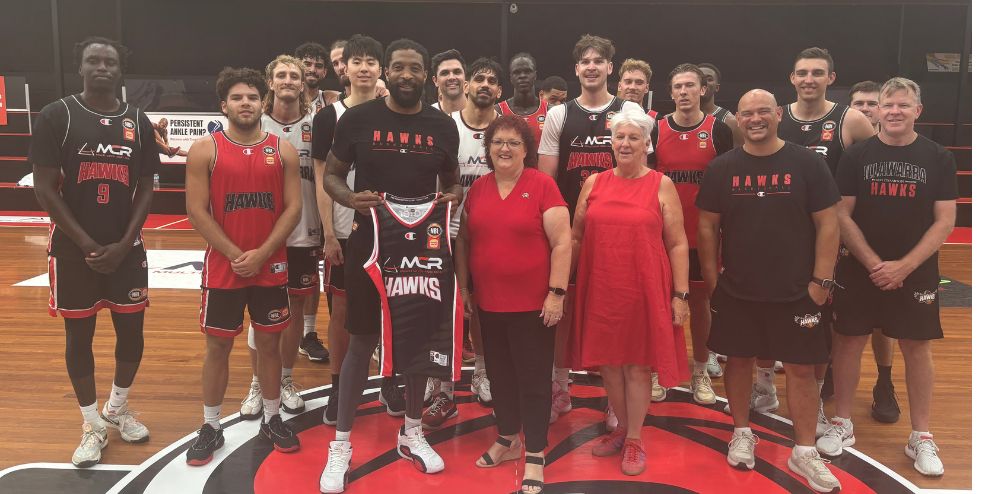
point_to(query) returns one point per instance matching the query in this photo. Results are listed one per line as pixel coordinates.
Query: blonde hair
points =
(631, 64)
(269, 75)
(900, 84)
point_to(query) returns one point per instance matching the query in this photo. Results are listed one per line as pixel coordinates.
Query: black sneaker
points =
(332, 401)
(279, 434)
(827, 390)
(392, 397)
(885, 408)
(209, 440)
(313, 348)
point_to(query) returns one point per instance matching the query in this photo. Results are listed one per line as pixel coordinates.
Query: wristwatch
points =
(826, 284)
(682, 295)
(557, 291)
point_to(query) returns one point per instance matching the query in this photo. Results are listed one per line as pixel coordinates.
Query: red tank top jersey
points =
(684, 156)
(535, 120)
(246, 198)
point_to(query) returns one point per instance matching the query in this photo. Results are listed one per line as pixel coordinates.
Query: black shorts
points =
(694, 266)
(334, 274)
(364, 306)
(303, 269)
(792, 332)
(222, 309)
(76, 291)
(912, 312)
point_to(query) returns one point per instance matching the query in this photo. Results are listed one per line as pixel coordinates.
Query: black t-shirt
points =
(766, 204)
(102, 156)
(324, 123)
(896, 188)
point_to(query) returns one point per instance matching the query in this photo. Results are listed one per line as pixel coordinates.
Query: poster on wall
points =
(3, 102)
(946, 62)
(175, 132)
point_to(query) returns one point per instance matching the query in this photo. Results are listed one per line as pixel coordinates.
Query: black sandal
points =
(536, 460)
(506, 456)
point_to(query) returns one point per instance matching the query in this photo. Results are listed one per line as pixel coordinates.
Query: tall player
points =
(364, 64)
(553, 91)
(633, 84)
(314, 56)
(576, 142)
(243, 196)
(107, 153)
(713, 78)
(525, 103)
(685, 142)
(400, 147)
(448, 69)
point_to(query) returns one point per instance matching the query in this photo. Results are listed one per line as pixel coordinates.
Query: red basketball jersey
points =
(683, 156)
(246, 198)
(535, 120)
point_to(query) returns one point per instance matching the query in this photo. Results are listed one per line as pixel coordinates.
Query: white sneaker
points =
(720, 357)
(701, 387)
(741, 450)
(779, 368)
(413, 446)
(88, 453)
(659, 393)
(713, 368)
(252, 406)
(610, 420)
(291, 402)
(823, 424)
(813, 468)
(338, 463)
(763, 400)
(924, 453)
(132, 431)
(838, 436)
(481, 388)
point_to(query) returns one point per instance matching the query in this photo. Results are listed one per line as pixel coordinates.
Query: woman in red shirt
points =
(515, 242)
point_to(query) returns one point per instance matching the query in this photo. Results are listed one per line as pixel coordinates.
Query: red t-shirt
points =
(509, 251)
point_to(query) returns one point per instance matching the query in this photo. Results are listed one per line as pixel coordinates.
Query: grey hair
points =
(900, 84)
(631, 116)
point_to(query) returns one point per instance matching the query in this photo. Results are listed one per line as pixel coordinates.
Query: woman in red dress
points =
(632, 285)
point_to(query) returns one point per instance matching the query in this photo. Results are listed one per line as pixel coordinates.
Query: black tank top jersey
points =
(823, 135)
(721, 114)
(412, 269)
(584, 147)
(101, 156)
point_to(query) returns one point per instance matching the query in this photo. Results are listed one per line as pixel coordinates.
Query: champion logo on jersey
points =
(410, 236)
(128, 129)
(806, 127)
(477, 136)
(683, 136)
(593, 118)
(105, 121)
(525, 195)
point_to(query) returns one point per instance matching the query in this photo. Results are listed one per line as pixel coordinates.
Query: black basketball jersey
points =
(101, 157)
(584, 147)
(823, 135)
(721, 114)
(412, 269)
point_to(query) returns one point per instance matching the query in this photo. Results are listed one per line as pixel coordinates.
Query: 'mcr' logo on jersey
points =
(820, 149)
(427, 263)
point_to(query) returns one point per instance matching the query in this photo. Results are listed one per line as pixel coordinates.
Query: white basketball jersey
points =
(343, 216)
(308, 233)
(471, 161)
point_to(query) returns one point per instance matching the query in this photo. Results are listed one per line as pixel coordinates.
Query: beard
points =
(406, 100)
(481, 102)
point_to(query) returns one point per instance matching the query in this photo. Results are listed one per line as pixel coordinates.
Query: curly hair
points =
(517, 124)
(311, 49)
(123, 52)
(230, 77)
(269, 74)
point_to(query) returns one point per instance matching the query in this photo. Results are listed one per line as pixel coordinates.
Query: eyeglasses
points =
(510, 144)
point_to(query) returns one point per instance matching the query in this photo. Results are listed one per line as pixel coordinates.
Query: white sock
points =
(765, 378)
(91, 416)
(212, 416)
(699, 367)
(480, 363)
(309, 324)
(561, 376)
(800, 451)
(916, 435)
(254, 380)
(342, 436)
(118, 398)
(741, 430)
(448, 388)
(409, 423)
(847, 422)
(819, 386)
(286, 372)
(270, 409)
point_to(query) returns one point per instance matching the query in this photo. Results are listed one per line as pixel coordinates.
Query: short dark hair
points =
(865, 87)
(230, 77)
(524, 54)
(361, 45)
(553, 82)
(713, 68)
(122, 51)
(451, 54)
(311, 49)
(517, 123)
(340, 43)
(482, 64)
(603, 46)
(686, 67)
(815, 52)
(405, 44)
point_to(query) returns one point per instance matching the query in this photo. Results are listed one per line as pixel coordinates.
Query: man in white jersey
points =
(448, 75)
(286, 115)
(472, 121)
(314, 58)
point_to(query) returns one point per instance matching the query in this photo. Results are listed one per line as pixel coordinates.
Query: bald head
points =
(757, 97)
(758, 115)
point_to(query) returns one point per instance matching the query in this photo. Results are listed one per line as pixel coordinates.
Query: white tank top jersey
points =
(471, 162)
(317, 103)
(308, 233)
(343, 216)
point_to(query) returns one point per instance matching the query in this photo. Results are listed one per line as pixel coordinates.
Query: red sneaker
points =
(633, 457)
(441, 409)
(610, 444)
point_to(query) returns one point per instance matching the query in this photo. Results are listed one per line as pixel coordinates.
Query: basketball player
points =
(471, 122)
(713, 77)
(339, 66)
(864, 98)
(685, 142)
(448, 68)
(106, 151)
(399, 147)
(576, 142)
(525, 103)
(243, 196)
(635, 76)
(899, 203)
(774, 203)
(827, 128)
(313, 55)
(286, 115)
(364, 64)
(553, 91)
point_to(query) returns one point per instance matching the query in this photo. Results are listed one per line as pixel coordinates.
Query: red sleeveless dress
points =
(623, 283)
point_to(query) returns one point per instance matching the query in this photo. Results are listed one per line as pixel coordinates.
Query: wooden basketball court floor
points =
(43, 422)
